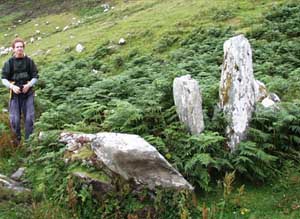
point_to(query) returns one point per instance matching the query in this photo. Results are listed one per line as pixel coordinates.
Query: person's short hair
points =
(17, 40)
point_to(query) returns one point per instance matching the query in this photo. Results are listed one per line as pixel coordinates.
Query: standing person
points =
(19, 74)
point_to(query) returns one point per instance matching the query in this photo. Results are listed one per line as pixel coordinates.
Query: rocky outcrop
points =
(128, 156)
(238, 88)
(188, 102)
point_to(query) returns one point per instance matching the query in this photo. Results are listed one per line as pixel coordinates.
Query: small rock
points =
(105, 6)
(67, 49)
(267, 102)
(31, 39)
(122, 41)
(274, 97)
(95, 71)
(79, 48)
(270, 100)
(66, 28)
(37, 31)
(36, 25)
(18, 174)
(42, 136)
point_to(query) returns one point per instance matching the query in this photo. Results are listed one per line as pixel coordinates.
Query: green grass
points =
(278, 199)
(141, 23)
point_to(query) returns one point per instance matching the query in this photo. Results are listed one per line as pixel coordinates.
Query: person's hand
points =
(26, 88)
(15, 89)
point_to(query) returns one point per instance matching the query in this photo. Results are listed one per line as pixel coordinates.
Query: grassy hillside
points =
(142, 23)
(128, 88)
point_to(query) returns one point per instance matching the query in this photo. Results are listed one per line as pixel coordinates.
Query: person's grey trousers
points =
(22, 103)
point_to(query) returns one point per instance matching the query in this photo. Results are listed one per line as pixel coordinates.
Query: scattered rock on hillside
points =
(128, 156)
(105, 7)
(18, 174)
(95, 71)
(270, 100)
(237, 88)
(122, 41)
(263, 96)
(79, 48)
(66, 28)
(5, 51)
(188, 102)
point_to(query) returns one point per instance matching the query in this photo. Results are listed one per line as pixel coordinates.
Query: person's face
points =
(19, 49)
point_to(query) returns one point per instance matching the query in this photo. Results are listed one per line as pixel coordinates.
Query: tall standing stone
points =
(237, 88)
(188, 102)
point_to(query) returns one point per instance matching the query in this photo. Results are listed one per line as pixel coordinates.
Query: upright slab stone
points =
(238, 88)
(188, 102)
